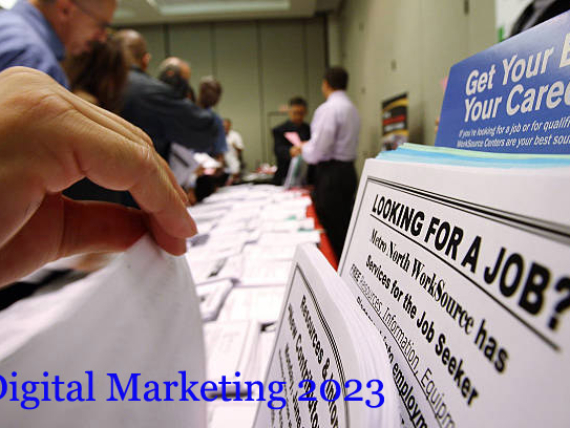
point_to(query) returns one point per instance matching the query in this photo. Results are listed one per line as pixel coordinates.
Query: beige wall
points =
(261, 65)
(388, 46)
(395, 46)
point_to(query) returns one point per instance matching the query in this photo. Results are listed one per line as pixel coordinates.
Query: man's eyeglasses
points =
(102, 24)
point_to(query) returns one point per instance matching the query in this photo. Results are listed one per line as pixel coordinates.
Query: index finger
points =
(80, 147)
(119, 163)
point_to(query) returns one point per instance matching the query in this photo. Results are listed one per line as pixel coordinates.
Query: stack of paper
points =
(461, 261)
(296, 238)
(138, 315)
(256, 303)
(212, 297)
(230, 351)
(238, 415)
(270, 272)
(248, 234)
(271, 252)
(240, 262)
(324, 337)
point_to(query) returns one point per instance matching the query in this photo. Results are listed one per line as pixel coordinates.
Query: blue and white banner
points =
(513, 97)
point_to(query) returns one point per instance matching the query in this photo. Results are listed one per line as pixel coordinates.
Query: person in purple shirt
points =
(38, 33)
(332, 147)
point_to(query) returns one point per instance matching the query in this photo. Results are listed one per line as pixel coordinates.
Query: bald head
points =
(78, 23)
(175, 72)
(135, 47)
(175, 66)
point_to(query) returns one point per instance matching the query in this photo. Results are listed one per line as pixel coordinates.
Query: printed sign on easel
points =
(513, 97)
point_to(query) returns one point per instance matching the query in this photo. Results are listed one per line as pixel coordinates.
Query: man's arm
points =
(31, 56)
(281, 146)
(220, 144)
(323, 132)
(186, 123)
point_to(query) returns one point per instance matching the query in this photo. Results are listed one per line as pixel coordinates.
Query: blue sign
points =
(513, 97)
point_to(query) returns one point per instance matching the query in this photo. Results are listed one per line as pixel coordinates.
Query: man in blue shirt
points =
(209, 96)
(38, 33)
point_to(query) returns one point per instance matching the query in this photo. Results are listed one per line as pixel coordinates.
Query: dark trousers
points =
(335, 189)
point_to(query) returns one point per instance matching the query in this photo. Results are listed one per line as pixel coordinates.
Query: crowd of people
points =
(90, 140)
(84, 122)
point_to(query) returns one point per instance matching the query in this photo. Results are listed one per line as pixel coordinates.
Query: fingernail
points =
(184, 197)
(178, 247)
(191, 228)
(183, 246)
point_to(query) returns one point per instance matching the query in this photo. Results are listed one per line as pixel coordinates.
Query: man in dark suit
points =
(176, 72)
(296, 123)
(158, 109)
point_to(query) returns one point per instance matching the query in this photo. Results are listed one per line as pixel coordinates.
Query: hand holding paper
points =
(71, 139)
(295, 151)
(294, 138)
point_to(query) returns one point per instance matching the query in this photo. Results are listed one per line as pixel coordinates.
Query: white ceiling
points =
(164, 11)
(7, 4)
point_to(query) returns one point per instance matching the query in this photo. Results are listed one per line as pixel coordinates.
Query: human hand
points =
(191, 195)
(50, 139)
(295, 151)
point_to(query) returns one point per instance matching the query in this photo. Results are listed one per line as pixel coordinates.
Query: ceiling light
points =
(7, 4)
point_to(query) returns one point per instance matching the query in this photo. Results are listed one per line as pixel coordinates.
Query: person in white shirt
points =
(235, 148)
(332, 147)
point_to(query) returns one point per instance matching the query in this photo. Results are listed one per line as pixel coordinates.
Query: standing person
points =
(209, 94)
(99, 77)
(38, 33)
(233, 156)
(332, 147)
(158, 109)
(176, 72)
(282, 146)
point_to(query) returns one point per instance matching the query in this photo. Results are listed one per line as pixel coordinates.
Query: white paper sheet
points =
(290, 226)
(230, 348)
(235, 415)
(322, 336)
(293, 138)
(266, 272)
(268, 239)
(260, 303)
(212, 297)
(260, 253)
(138, 315)
(464, 334)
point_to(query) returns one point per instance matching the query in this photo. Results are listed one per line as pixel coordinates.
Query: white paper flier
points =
(135, 322)
(319, 342)
(466, 273)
